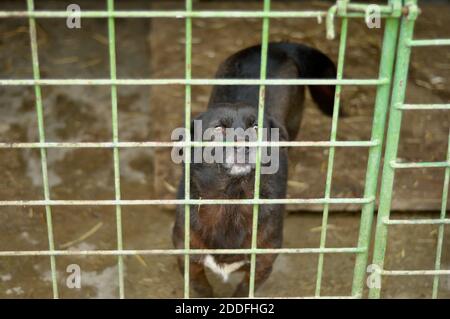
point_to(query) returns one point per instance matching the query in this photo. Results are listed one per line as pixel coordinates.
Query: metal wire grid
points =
(342, 9)
(406, 43)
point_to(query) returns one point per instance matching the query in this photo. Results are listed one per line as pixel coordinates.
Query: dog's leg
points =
(262, 272)
(197, 278)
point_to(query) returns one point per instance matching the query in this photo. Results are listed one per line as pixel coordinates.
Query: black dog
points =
(230, 226)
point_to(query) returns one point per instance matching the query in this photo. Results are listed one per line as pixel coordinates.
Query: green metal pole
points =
(61, 82)
(187, 165)
(128, 202)
(393, 135)
(373, 164)
(334, 125)
(431, 42)
(262, 91)
(177, 14)
(185, 144)
(225, 251)
(437, 263)
(41, 129)
(115, 131)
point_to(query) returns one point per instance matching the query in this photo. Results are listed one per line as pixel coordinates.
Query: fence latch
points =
(343, 8)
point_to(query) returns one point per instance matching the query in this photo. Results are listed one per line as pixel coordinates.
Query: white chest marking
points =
(224, 270)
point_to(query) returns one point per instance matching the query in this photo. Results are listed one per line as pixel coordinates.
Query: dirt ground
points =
(149, 114)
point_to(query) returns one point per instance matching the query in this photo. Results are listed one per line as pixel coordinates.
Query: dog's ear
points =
(199, 117)
(283, 134)
(180, 150)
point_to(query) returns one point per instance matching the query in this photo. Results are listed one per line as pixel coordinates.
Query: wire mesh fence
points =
(391, 163)
(395, 12)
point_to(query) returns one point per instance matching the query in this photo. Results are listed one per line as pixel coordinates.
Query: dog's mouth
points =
(239, 169)
(240, 161)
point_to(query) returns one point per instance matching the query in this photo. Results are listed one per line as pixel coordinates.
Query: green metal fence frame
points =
(342, 9)
(398, 106)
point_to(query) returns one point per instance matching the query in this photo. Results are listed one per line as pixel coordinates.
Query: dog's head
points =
(234, 123)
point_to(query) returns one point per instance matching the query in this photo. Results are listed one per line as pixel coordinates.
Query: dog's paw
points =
(203, 291)
(241, 291)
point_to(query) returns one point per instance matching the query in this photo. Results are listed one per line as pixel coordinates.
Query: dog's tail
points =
(314, 64)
